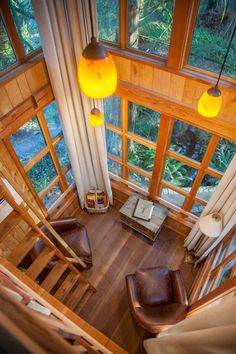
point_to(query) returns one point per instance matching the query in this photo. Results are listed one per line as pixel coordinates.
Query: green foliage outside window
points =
(224, 153)
(108, 20)
(28, 141)
(50, 198)
(42, 173)
(112, 108)
(7, 55)
(143, 121)
(27, 29)
(179, 174)
(140, 156)
(150, 25)
(213, 29)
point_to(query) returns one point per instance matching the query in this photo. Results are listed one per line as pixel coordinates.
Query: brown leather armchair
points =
(157, 298)
(73, 233)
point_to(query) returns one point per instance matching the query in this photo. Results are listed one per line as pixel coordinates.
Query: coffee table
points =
(149, 229)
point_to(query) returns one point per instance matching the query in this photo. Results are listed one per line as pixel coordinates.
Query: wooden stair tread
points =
(40, 263)
(54, 275)
(20, 251)
(66, 286)
(76, 295)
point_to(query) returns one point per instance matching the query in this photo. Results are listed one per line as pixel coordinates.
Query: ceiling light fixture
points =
(96, 70)
(210, 102)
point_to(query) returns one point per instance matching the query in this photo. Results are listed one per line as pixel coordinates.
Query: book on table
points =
(143, 209)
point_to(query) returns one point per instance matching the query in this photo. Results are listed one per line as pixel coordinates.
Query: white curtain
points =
(210, 331)
(64, 27)
(224, 201)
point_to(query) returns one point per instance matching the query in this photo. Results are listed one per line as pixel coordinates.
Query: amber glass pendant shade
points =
(210, 103)
(97, 71)
(95, 118)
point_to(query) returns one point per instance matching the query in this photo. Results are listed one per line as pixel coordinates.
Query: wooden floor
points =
(117, 251)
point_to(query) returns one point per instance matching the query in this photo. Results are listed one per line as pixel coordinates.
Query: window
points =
(182, 173)
(108, 20)
(7, 55)
(26, 26)
(19, 36)
(39, 146)
(223, 264)
(214, 25)
(150, 25)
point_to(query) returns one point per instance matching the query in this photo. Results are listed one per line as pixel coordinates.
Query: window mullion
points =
(205, 162)
(163, 140)
(49, 142)
(123, 20)
(185, 13)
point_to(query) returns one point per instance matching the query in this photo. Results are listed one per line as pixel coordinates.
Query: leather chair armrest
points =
(64, 224)
(132, 291)
(179, 291)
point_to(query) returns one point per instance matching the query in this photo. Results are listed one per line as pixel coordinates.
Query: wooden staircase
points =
(63, 280)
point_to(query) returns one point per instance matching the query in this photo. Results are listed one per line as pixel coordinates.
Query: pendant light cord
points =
(226, 54)
(91, 18)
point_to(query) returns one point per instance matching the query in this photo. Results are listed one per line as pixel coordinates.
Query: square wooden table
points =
(149, 229)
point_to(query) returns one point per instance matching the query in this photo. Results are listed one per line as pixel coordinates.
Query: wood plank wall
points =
(178, 89)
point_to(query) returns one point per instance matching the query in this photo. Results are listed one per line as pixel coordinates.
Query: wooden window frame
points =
(49, 148)
(161, 148)
(183, 25)
(21, 56)
(210, 269)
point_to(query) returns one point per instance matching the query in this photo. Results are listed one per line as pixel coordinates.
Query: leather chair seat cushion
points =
(154, 286)
(78, 240)
(158, 318)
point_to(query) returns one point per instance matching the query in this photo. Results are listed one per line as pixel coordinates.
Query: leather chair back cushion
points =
(154, 286)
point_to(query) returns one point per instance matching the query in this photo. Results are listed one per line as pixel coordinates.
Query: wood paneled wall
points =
(179, 92)
(16, 90)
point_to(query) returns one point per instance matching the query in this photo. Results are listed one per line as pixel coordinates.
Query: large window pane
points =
(225, 273)
(111, 107)
(207, 187)
(214, 25)
(138, 179)
(223, 154)
(140, 156)
(179, 174)
(143, 121)
(113, 141)
(28, 141)
(27, 29)
(114, 167)
(150, 25)
(50, 198)
(221, 254)
(51, 115)
(42, 173)
(189, 141)
(62, 154)
(69, 177)
(7, 55)
(172, 197)
(108, 20)
(208, 286)
(197, 209)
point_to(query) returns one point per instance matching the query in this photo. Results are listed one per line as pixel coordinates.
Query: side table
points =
(149, 229)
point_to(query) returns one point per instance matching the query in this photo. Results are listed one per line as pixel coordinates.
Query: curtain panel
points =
(64, 27)
(223, 201)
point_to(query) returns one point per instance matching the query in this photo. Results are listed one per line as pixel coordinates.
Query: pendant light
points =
(95, 118)
(210, 102)
(96, 70)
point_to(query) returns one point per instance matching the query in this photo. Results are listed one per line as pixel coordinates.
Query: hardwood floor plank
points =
(118, 251)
